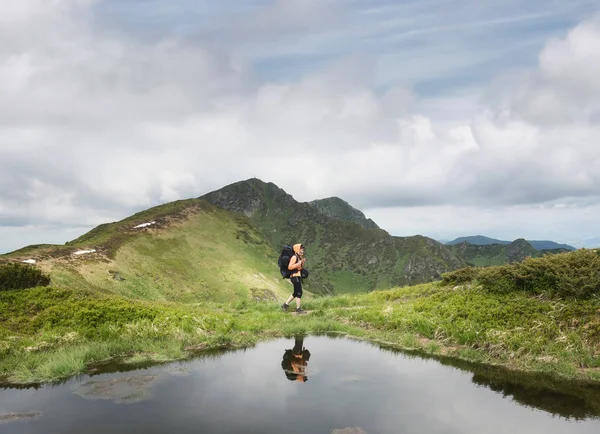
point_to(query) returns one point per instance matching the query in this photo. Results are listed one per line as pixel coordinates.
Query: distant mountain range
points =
(486, 255)
(480, 240)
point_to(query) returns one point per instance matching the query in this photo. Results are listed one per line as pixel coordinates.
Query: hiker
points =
(295, 360)
(296, 265)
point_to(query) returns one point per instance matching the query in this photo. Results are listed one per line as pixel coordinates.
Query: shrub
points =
(458, 277)
(499, 279)
(568, 275)
(21, 276)
(574, 274)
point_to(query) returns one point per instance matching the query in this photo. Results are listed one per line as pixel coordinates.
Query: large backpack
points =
(284, 260)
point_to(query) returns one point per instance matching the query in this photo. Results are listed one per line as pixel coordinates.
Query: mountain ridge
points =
(345, 252)
(193, 252)
(482, 240)
(495, 254)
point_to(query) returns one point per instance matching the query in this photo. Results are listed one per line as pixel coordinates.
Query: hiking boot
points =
(300, 311)
(285, 306)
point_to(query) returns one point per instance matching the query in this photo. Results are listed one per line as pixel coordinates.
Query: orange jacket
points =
(295, 263)
(299, 367)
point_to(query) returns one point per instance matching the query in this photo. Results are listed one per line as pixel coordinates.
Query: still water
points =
(314, 384)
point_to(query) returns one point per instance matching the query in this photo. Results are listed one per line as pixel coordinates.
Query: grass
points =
(50, 333)
(208, 256)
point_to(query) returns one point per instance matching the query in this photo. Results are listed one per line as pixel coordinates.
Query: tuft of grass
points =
(460, 276)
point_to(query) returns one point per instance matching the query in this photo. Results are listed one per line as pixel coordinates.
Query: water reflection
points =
(570, 400)
(376, 390)
(295, 360)
(577, 400)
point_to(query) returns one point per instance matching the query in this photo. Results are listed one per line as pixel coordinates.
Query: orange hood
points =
(297, 248)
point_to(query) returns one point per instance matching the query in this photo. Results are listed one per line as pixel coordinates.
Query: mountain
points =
(495, 254)
(480, 240)
(549, 245)
(477, 240)
(186, 251)
(224, 245)
(337, 208)
(342, 256)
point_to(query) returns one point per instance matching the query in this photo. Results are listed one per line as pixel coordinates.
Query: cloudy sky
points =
(434, 117)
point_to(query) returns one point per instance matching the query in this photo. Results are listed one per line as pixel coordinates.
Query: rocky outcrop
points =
(520, 249)
(336, 208)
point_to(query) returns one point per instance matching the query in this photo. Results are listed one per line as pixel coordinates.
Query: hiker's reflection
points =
(294, 361)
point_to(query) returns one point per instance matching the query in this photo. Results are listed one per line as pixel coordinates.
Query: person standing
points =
(295, 266)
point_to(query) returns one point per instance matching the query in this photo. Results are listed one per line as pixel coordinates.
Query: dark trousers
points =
(297, 287)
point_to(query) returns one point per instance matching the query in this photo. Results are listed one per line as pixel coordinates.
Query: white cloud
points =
(565, 88)
(285, 17)
(95, 125)
(534, 222)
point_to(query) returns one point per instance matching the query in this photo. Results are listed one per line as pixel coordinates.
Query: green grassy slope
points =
(195, 252)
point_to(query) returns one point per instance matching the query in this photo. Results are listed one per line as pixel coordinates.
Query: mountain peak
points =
(520, 249)
(247, 196)
(345, 255)
(477, 240)
(339, 209)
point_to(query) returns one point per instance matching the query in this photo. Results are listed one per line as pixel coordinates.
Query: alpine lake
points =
(307, 384)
